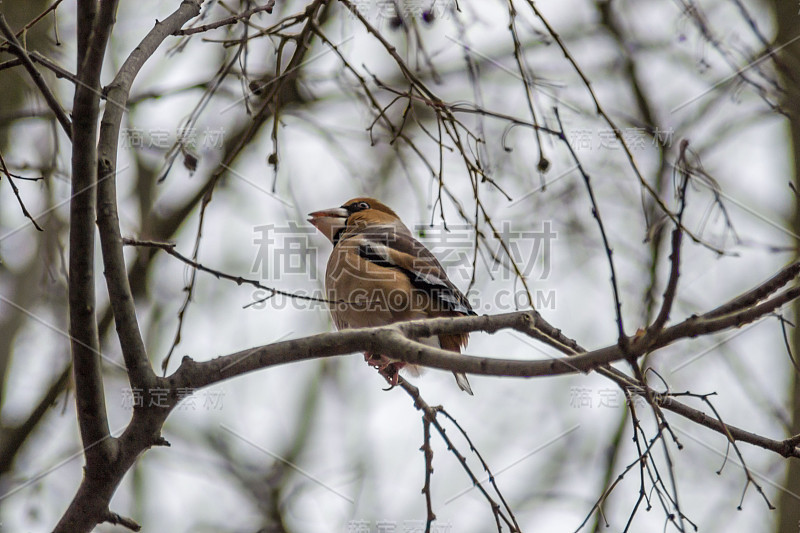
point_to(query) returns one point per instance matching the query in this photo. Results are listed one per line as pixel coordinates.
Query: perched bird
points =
(378, 274)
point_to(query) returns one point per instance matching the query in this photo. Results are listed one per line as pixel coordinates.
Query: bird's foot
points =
(378, 361)
(391, 372)
(387, 368)
(381, 362)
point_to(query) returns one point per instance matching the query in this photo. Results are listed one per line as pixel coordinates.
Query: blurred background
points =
(214, 140)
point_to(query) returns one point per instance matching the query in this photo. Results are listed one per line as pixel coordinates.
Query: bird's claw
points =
(391, 372)
(378, 361)
(387, 368)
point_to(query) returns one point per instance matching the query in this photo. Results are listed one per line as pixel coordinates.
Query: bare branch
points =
(672, 282)
(426, 488)
(732, 441)
(140, 371)
(786, 448)
(596, 214)
(93, 420)
(677, 236)
(39, 17)
(429, 414)
(227, 21)
(25, 211)
(114, 518)
(17, 49)
(12, 439)
(396, 341)
(239, 280)
(754, 296)
(289, 74)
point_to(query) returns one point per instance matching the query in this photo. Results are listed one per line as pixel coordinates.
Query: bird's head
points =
(358, 211)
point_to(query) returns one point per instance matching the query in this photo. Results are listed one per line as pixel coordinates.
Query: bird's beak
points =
(329, 221)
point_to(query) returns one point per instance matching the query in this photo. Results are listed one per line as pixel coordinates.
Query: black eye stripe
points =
(356, 207)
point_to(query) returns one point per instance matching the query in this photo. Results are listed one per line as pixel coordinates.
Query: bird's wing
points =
(392, 247)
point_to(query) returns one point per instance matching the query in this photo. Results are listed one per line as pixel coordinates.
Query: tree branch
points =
(754, 296)
(429, 416)
(606, 243)
(89, 396)
(233, 19)
(140, 371)
(677, 236)
(14, 188)
(16, 48)
(12, 439)
(239, 280)
(398, 342)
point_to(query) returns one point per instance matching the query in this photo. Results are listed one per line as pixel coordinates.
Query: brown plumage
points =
(385, 275)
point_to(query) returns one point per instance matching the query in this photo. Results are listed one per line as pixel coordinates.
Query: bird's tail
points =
(463, 382)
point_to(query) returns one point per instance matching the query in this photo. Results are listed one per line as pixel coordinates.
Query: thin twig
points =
(782, 321)
(732, 442)
(430, 413)
(621, 338)
(677, 236)
(16, 193)
(244, 15)
(39, 17)
(239, 280)
(17, 49)
(427, 450)
(485, 466)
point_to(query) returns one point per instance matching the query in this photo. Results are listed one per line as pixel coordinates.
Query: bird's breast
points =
(368, 294)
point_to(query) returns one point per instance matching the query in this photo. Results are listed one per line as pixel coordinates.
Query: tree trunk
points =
(786, 16)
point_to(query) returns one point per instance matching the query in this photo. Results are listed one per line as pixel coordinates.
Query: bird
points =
(379, 274)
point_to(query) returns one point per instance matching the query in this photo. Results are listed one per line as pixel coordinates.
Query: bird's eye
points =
(362, 205)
